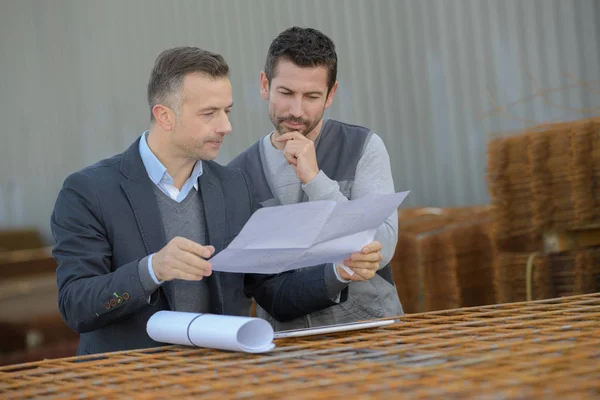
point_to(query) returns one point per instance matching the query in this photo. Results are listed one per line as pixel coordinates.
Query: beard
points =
(307, 125)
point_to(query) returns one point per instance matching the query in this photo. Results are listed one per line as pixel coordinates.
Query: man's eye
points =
(285, 93)
(208, 114)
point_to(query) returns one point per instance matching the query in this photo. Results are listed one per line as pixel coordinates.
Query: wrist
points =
(156, 271)
(342, 274)
(309, 177)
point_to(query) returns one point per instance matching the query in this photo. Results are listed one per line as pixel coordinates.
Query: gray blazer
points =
(106, 219)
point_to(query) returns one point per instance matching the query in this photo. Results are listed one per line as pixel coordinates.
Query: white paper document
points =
(224, 332)
(283, 238)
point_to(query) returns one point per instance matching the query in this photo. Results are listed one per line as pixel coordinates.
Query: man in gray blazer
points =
(135, 232)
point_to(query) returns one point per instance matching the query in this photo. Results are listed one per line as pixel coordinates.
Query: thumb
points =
(211, 249)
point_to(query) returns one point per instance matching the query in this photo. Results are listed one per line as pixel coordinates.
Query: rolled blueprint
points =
(224, 332)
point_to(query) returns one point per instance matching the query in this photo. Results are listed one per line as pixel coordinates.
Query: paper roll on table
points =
(224, 332)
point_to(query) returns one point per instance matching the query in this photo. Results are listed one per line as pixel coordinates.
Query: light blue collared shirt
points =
(161, 178)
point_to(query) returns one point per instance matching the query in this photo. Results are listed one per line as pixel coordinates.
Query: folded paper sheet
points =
(282, 238)
(224, 332)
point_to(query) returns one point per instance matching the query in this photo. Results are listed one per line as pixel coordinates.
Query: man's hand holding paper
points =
(184, 259)
(363, 265)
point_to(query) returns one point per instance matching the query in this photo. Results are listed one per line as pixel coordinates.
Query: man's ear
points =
(264, 86)
(164, 117)
(331, 95)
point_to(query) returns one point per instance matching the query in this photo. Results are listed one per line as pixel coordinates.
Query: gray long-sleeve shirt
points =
(373, 176)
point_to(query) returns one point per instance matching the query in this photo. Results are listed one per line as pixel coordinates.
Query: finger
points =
(187, 276)
(179, 270)
(371, 247)
(211, 249)
(369, 257)
(195, 248)
(191, 263)
(299, 146)
(191, 259)
(362, 274)
(293, 148)
(290, 158)
(295, 135)
(363, 264)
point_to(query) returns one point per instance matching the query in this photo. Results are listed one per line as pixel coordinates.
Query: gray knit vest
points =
(338, 147)
(185, 219)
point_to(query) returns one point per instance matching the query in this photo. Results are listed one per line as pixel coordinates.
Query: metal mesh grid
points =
(543, 349)
(540, 179)
(446, 259)
(458, 265)
(554, 275)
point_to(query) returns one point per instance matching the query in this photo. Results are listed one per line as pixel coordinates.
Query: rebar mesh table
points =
(543, 349)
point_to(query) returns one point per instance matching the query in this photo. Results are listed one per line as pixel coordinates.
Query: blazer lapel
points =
(142, 199)
(145, 209)
(214, 207)
(213, 202)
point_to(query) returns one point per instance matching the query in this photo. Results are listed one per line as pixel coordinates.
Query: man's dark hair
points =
(172, 65)
(305, 47)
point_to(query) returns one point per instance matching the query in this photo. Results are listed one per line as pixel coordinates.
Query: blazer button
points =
(107, 305)
(113, 302)
(120, 300)
(125, 296)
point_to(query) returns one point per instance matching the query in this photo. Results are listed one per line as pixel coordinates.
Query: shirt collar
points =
(156, 170)
(196, 172)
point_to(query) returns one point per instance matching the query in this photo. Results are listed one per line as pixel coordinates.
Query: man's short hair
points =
(305, 47)
(170, 68)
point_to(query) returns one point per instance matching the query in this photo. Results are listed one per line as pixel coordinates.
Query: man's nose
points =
(224, 127)
(296, 107)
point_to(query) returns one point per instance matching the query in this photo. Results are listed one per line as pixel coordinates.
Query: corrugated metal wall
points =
(73, 76)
